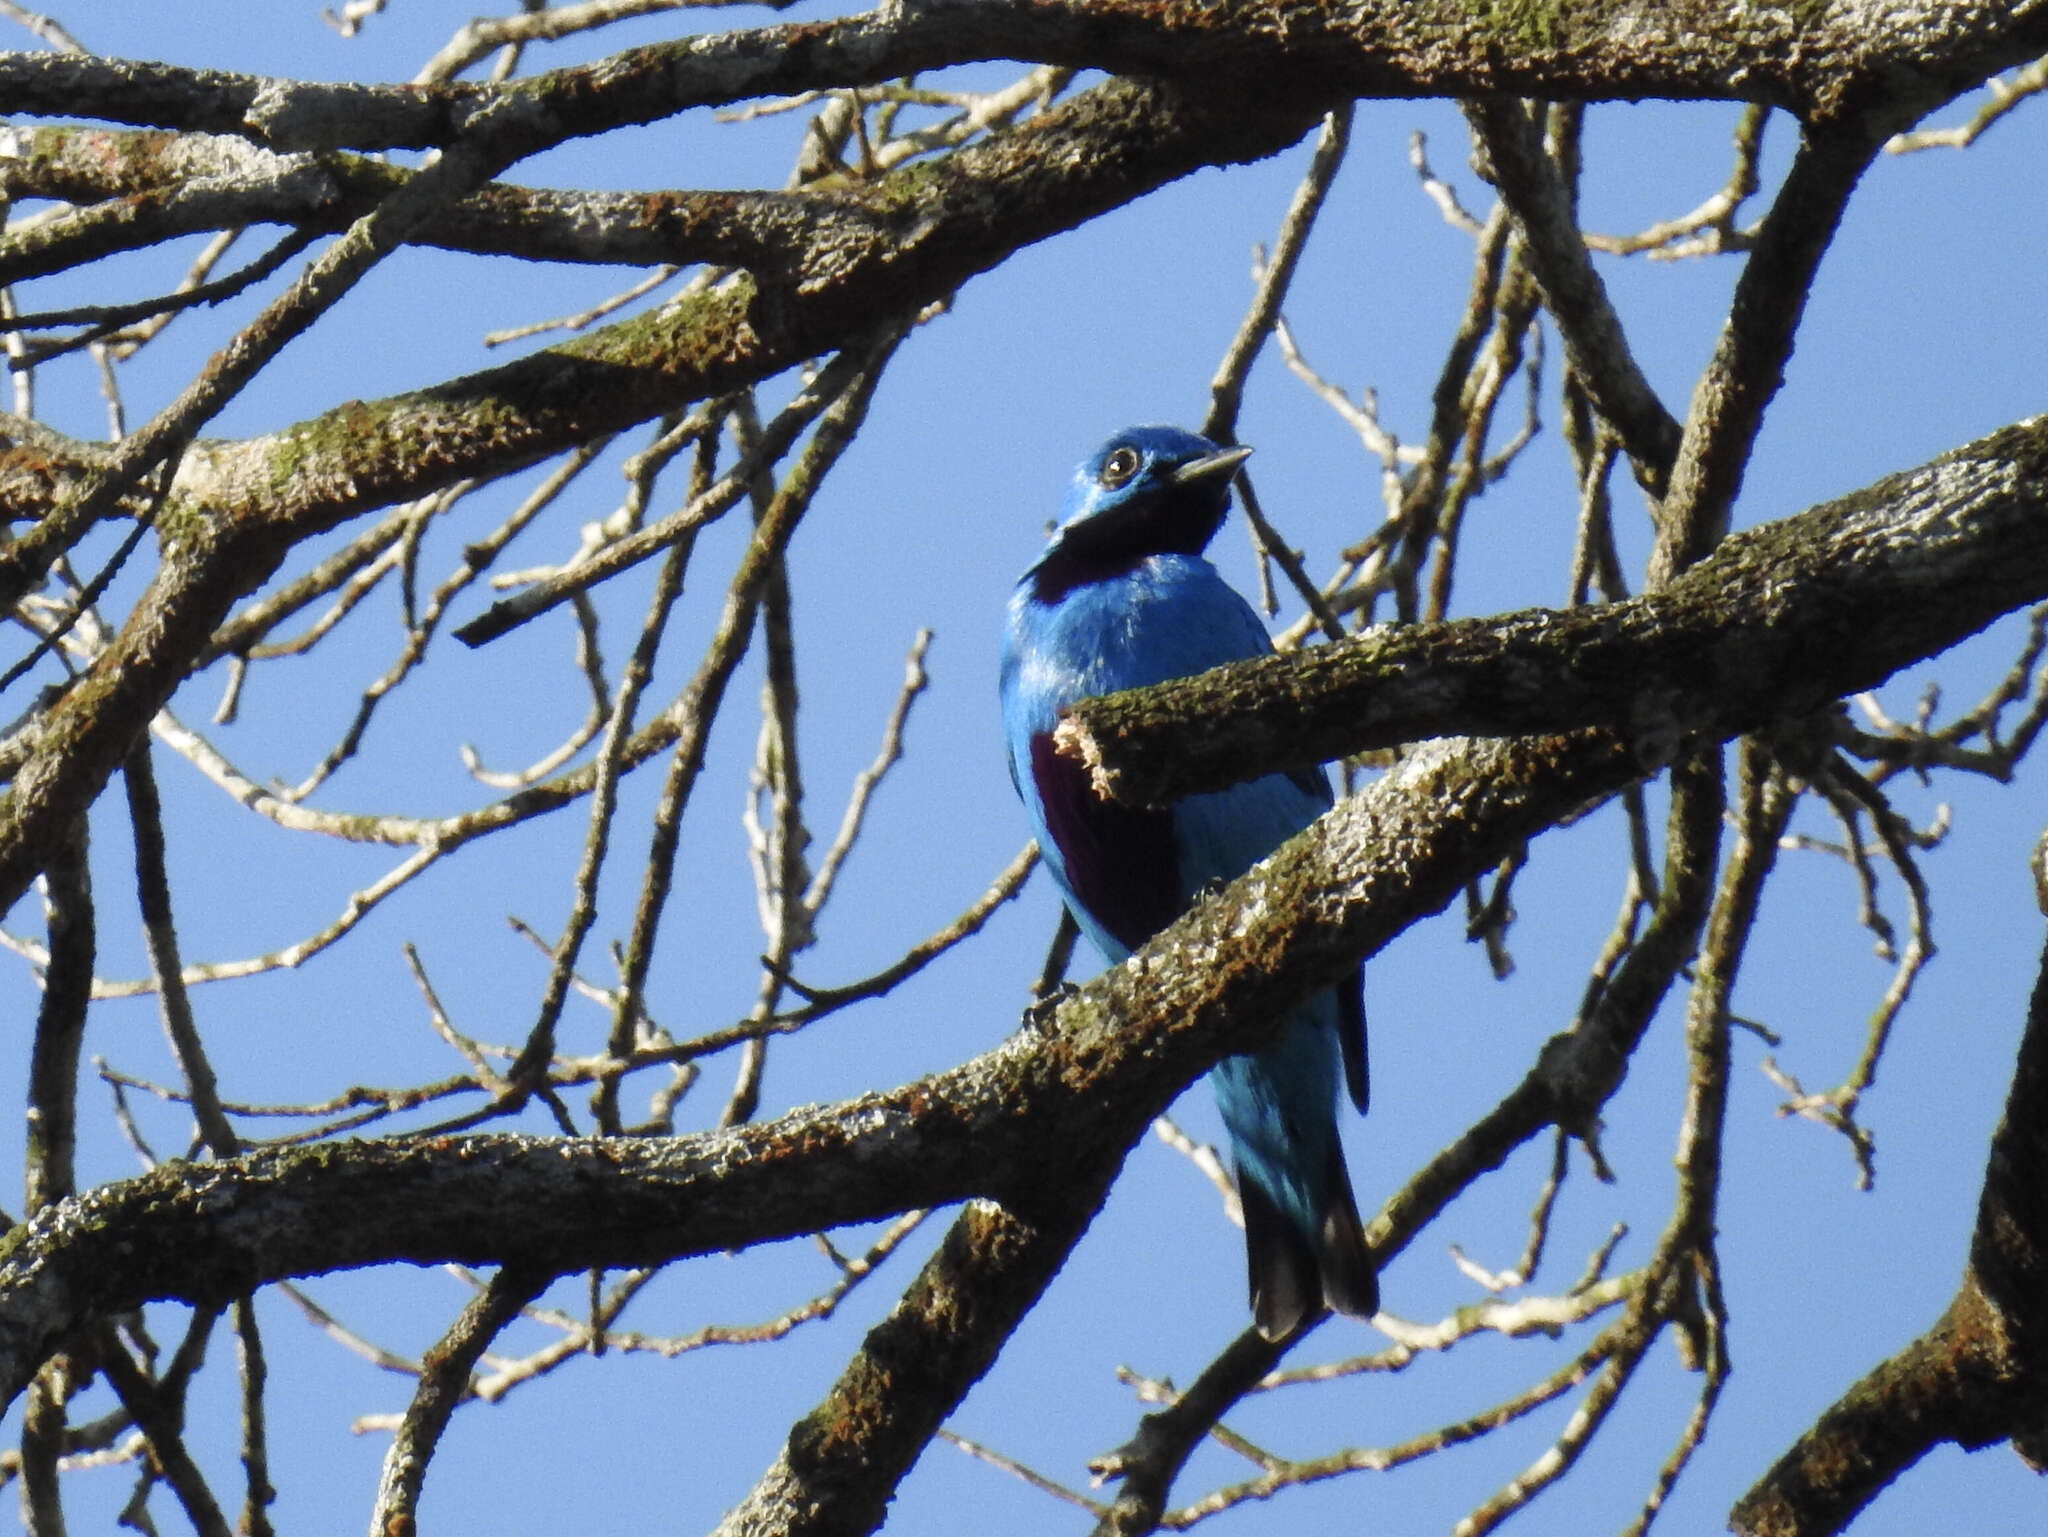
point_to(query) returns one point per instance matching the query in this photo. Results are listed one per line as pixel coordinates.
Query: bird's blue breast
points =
(1130, 871)
(1168, 616)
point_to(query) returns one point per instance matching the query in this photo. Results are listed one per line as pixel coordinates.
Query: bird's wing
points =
(1315, 783)
(1351, 1036)
(1221, 835)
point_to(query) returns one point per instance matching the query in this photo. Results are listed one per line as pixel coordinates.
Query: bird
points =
(1121, 598)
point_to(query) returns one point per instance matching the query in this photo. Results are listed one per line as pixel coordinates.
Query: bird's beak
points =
(1220, 465)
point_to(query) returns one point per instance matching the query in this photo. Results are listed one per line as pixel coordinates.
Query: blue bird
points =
(1121, 598)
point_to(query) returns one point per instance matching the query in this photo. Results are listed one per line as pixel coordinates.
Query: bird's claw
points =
(1038, 1016)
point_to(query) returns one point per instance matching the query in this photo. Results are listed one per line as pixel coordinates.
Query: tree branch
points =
(1115, 1054)
(1755, 343)
(239, 507)
(1779, 621)
(843, 1461)
(1594, 342)
(1816, 62)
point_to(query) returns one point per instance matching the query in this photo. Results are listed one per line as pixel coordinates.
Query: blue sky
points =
(1922, 334)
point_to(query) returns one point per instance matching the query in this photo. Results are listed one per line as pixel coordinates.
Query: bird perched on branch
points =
(1122, 598)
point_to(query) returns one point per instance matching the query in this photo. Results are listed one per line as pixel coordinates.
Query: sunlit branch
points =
(348, 1339)
(1349, 590)
(1619, 1351)
(248, 629)
(577, 1335)
(978, 112)
(350, 1110)
(1207, 1163)
(493, 141)
(469, 1050)
(474, 39)
(628, 1004)
(1595, 559)
(1496, 464)
(420, 626)
(49, 30)
(1713, 1379)
(822, 1001)
(1836, 1108)
(584, 319)
(1439, 191)
(1378, 1459)
(1524, 1269)
(1493, 370)
(869, 779)
(529, 1069)
(1918, 745)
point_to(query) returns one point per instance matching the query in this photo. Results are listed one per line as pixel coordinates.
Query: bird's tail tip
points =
(1351, 1281)
(1292, 1278)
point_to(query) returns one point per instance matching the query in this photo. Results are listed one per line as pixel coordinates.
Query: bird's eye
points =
(1119, 467)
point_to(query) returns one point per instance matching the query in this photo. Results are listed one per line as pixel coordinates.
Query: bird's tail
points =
(1295, 1273)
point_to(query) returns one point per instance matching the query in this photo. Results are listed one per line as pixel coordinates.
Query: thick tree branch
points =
(1816, 62)
(1980, 1375)
(829, 262)
(1777, 622)
(1116, 1054)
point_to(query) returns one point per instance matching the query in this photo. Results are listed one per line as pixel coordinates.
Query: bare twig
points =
(2006, 92)
(1226, 389)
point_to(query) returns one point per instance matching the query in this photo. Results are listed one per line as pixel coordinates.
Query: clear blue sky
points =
(1924, 331)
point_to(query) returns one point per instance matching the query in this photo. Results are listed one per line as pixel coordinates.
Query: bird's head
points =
(1147, 491)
